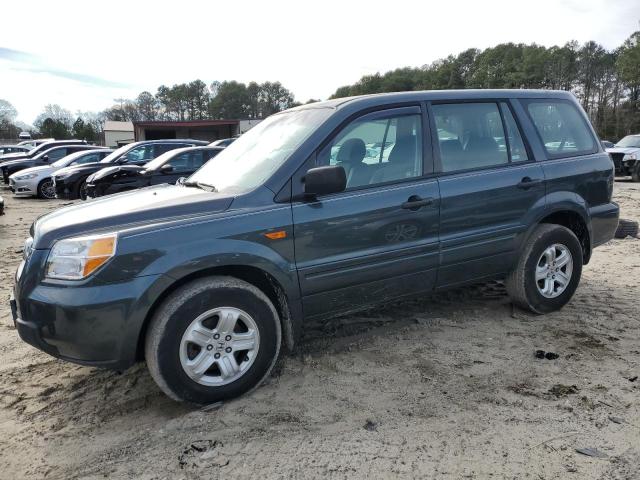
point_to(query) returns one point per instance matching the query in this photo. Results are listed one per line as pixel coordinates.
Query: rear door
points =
(489, 186)
(378, 239)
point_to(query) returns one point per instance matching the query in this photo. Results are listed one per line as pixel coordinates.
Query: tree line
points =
(198, 101)
(606, 82)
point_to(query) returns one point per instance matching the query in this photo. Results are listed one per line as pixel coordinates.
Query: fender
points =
(556, 202)
(180, 251)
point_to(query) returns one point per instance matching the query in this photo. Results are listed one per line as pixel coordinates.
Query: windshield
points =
(629, 141)
(253, 157)
(118, 153)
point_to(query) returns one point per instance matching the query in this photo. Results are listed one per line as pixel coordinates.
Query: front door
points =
(488, 185)
(378, 239)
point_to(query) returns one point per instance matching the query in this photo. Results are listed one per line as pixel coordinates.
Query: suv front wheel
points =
(213, 339)
(548, 271)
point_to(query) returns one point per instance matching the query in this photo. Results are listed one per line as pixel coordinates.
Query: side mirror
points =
(325, 180)
(45, 158)
(166, 168)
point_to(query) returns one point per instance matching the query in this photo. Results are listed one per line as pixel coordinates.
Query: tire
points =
(522, 286)
(635, 172)
(626, 228)
(82, 190)
(46, 190)
(168, 354)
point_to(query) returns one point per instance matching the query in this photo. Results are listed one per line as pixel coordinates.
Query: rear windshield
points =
(562, 129)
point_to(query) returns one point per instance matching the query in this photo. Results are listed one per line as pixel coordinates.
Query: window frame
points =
(554, 156)
(378, 112)
(435, 141)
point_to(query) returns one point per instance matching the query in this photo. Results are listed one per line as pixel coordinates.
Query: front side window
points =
(186, 162)
(470, 135)
(378, 150)
(561, 127)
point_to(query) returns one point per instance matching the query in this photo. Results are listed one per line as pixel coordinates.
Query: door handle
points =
(415, 202)
(528, 182)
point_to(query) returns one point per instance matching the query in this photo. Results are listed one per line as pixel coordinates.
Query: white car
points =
(37, 181)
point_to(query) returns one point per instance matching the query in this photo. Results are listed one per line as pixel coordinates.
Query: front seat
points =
(350, 157)
(401, 164)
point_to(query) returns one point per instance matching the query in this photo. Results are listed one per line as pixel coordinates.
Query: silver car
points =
(37, 181)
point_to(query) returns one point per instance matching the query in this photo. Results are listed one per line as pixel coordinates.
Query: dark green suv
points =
(317, 211)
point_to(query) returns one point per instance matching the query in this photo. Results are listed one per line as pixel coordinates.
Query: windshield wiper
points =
(201, 185)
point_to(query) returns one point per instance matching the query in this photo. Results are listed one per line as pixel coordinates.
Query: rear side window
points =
(470, 135)
(516, 145)
(561, 127)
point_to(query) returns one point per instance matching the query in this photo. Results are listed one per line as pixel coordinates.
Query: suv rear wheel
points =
(213, 339)
(548, 271)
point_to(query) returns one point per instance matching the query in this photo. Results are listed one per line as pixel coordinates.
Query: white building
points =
(117, 134)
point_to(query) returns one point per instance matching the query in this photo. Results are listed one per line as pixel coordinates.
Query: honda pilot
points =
(318, 211)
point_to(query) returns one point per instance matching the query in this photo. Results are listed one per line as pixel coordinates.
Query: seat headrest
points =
(352, 151)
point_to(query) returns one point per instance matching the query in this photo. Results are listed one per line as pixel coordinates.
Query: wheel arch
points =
(575, 221)
(261, 279)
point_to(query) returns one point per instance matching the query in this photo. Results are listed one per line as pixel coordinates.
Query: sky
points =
(84, 54)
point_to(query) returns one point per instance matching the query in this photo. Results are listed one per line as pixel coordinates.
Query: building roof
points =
(188, 123)
(113, 126)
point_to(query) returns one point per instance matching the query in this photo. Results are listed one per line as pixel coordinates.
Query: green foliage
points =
(606, 83)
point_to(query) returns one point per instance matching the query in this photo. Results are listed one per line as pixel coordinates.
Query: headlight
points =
(27, 177)
(630, 156)
(77, 258)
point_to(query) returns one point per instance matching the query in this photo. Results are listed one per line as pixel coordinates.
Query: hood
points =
(625, 150)
(130, 170)
(15, 162)
(39, 170)
(114, 213)
(12, 156)
(79, 168)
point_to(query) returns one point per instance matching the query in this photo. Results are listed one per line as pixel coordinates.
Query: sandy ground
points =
(445, 387)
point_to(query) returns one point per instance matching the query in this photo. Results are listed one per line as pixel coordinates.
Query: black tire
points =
(635, 172)
(521, 283)
(82, 190)
(42, 189)
(626, 228)
(162, 342)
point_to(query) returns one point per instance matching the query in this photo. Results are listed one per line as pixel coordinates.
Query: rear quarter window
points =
(562, 128)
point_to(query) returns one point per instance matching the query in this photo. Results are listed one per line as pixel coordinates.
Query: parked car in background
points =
(45, 157)
(5, 149)
(39, 148)
(24, 135)
(208, 280)
(34, 143)
(626, 157)
(167, 168)
(37, 181)
(223, 142)
(70, 182)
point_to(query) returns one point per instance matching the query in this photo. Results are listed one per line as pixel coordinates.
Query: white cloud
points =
(311, 47)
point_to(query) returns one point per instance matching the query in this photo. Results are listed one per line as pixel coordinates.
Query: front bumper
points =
(62, 189)
(22, 188)
(88, 324)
